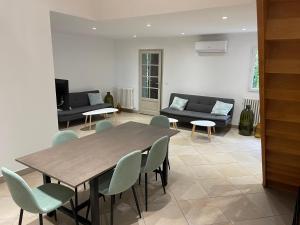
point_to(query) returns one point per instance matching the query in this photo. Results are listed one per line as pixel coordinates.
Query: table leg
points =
(46, 180)
(94, 201)
(209, 132)
(193, 130)
(214, 129)
(165, 171)
(86, 118)
(90, 122)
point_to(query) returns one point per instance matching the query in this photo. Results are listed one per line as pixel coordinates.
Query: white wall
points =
(27, 94)
(86, 61)
(184, 71)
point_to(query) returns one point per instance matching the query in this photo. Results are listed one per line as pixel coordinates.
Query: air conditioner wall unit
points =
(211, 46)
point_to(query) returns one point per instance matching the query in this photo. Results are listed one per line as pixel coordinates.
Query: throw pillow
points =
(221, 108)
(179, 103)
(95, 98)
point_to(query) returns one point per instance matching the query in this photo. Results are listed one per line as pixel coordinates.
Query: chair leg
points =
(84, 186)
(41, 219)
(74, 211)
(55, 215)
(112, 202)
(146, 191)
(155, 175)
(21, 216)
(162, 179)
(136, 201)
(169, 164)
(58, 182)
(140, 179)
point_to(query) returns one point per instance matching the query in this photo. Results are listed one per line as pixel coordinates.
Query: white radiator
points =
(254, 103)
(125, 97)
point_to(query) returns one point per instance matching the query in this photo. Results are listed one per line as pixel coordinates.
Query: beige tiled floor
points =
(210, 183)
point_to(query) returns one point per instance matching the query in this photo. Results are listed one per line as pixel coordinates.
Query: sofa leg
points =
(68, 124)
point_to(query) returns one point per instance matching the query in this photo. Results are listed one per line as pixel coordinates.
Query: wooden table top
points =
(80, 160)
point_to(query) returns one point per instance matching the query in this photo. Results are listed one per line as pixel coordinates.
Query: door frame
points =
(160, 78)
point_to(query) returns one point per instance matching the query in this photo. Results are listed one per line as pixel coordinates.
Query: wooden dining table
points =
(85, 159)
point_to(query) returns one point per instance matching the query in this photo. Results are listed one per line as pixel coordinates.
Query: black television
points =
(62, 94)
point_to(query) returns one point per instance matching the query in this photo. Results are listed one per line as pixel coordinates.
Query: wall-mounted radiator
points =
(125, 97)
(254, 103)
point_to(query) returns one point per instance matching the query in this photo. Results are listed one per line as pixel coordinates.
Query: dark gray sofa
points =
(198, 108)
(79, 103)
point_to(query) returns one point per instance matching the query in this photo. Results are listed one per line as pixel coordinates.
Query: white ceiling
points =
(205, 21)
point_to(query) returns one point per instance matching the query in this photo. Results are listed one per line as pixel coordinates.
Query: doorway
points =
(150, 76)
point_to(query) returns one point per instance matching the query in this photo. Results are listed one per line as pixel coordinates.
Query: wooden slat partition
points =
(279, 58)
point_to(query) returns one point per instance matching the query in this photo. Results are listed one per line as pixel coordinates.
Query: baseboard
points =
(20, 172)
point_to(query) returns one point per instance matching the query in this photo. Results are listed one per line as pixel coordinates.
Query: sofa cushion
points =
(95, 98)
(195, 115)
(221, 108)
(83, 109)
(199, 107)
(80, 99)
(178, 103)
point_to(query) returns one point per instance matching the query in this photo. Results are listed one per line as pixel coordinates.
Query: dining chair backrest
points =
(103, 125)
(20, 191)
(126, 173)
(157, 154)
(63, 136)
(160, 121)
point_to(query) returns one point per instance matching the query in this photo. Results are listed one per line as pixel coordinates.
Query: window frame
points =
(254, 51)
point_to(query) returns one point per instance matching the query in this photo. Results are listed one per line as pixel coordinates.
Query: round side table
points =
(203, 123)
(173, 122)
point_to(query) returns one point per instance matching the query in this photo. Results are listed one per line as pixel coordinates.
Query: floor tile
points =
(198, 212)
(215, 182)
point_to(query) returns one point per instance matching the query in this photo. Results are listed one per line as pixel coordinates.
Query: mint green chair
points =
(43, 199)
(123, 177)
(153, 161)
(160, 121)
(103, 125)
(63, 137)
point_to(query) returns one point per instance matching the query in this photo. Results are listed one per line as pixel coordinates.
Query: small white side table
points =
(173, 122)
(204, 123)
(104, 111)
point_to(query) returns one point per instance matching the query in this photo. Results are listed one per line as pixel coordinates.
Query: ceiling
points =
(197, 22)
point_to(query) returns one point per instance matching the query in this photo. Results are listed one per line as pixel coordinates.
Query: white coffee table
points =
(173, 122)
(104, 111)
(203, 123)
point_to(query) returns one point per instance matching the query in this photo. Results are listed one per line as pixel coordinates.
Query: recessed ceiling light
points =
(243, 29)
(94, 28)
(182, 33)
(224, 17)
(134, 36)
(148, 25)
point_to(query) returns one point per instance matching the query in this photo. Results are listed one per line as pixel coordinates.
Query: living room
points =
(92, 61)
(208, 48)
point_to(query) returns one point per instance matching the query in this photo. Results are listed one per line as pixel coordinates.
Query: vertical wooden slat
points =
(261, 20)
(279, 68)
